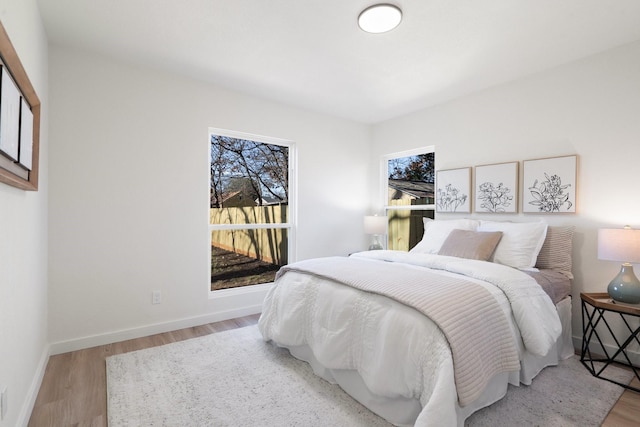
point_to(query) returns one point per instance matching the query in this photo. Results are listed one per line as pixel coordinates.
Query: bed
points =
(428, 337)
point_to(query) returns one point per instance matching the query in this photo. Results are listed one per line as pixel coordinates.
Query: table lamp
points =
(621, 244)
(376, 225)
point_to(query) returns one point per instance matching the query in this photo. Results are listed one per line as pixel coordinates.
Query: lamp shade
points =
(619, 244)
(374, 224)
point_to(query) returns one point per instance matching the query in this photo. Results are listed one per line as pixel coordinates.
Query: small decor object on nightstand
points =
(376, 225)
(621, 244)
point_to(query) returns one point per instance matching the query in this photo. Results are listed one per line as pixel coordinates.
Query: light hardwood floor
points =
(74, 387)
(73, 391)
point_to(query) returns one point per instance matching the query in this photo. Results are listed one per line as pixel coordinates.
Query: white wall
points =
(129, 194)
(23, 238)
(590, 108)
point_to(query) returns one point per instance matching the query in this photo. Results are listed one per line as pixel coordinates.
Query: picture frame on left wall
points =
(453, 190)
(19, 121)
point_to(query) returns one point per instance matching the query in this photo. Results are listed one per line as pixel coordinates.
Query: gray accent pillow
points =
(471, 244)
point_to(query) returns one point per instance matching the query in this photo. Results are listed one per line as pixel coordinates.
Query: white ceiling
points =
(311, 53)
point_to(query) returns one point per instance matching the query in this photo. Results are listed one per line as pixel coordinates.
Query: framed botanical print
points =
(550, 185)
(496, 188)
(453, 190)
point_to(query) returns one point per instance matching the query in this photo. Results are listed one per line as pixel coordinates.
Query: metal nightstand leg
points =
(589, 323)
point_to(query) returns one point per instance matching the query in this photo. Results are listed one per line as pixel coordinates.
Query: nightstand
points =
(594, 308)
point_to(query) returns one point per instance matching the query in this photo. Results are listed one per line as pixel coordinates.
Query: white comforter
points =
(397, 351)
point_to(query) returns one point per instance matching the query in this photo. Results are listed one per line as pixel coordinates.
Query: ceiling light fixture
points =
(380, 18)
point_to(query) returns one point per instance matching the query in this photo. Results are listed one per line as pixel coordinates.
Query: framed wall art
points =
(453, 190)
(19, 121)
(496, 188)
(550, 185)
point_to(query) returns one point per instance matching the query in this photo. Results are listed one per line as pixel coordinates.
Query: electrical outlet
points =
(3, 402)
(156, 297)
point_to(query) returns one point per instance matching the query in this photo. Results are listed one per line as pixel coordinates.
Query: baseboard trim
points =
(34, 388)
(595, 349)
(157, 328)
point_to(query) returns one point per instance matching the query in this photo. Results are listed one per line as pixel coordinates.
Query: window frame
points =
(290, 225)
(384, 182)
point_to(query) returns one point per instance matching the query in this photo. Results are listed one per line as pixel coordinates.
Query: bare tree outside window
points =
(253, 167)
(249, 188)
(419, 168)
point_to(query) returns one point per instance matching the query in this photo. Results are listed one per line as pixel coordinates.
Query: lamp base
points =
(625, 287)
(375, 245)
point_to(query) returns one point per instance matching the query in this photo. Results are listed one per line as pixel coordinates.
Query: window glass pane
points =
(406, 227)
(248, 174)
(411, 180)
(246, 257)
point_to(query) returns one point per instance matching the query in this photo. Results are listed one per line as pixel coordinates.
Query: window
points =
(250, 209)
(408, 186)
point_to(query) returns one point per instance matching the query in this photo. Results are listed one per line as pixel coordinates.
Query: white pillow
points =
(436, 232)
(520, 244)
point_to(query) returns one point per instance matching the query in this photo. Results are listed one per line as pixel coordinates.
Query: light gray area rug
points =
(234, 378)
(566, 395)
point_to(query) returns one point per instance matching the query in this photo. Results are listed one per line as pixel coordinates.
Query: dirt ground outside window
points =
(232, 270)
